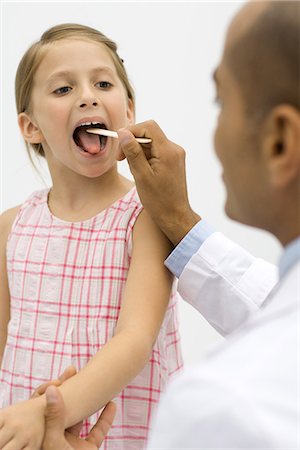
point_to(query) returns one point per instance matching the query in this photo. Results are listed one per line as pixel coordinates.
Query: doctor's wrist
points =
(179, 225)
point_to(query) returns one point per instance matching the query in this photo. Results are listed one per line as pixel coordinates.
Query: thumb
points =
(101, 428)
(134, 153)
(54, 421)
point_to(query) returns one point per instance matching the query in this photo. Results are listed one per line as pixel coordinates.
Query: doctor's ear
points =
(30, 132)
(282, 149)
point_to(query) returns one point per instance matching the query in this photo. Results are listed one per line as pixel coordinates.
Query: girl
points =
(82, 274)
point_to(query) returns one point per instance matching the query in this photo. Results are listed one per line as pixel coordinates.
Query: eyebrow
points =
(67, 73)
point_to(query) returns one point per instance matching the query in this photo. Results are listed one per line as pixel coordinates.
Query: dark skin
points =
(55, 436)
(58, 438)
(260, 159)
(160, 176)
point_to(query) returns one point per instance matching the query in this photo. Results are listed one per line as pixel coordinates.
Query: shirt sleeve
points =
(223, 281)
(189, 245)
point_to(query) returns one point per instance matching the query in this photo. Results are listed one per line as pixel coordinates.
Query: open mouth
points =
(89, 143)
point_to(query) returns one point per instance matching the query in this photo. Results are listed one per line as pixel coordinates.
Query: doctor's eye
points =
(62, 90)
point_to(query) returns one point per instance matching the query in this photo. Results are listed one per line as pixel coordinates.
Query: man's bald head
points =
(263, 55)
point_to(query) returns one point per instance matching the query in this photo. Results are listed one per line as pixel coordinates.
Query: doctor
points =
(245, 393)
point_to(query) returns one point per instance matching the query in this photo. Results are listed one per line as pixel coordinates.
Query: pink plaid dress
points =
(66, 281)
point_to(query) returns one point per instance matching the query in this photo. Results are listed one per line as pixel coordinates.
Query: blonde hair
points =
(33, 58)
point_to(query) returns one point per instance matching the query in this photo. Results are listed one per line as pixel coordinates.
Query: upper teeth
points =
(90, 123)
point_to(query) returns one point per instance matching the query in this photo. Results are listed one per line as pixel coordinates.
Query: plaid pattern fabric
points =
(66, 282)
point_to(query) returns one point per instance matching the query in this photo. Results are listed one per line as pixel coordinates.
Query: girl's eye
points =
(104, 84)
(62, 90)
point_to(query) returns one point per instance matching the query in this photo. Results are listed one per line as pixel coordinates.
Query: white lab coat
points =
(244, 394)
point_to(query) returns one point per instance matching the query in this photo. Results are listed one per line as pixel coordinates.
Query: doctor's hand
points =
(159, 172)
(55, 435)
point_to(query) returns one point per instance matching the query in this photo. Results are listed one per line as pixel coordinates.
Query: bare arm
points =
(144, 304)
(6, 220)
(143, 307)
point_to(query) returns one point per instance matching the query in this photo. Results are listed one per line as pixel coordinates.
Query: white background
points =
(170, 51)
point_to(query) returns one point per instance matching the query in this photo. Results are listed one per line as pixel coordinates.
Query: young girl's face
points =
(77, 83)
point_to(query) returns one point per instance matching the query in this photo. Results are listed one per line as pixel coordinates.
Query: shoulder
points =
(131, 200)
(148, 234)
(142, 231)
(7, 219)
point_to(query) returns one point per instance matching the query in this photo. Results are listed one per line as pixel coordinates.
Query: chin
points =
(228, 210)
(232, 213)
(242, 217)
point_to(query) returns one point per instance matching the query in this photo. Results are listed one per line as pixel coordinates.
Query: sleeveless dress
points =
(66, 281)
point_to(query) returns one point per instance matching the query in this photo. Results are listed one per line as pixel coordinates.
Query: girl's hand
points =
(22, 425)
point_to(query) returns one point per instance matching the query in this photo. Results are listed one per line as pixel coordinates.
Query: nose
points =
(88, 102)
(88, 99)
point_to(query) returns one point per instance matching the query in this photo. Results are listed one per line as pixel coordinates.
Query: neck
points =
(286, 226)
(78, 197)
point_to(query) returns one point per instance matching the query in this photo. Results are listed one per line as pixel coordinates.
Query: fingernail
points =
(51, 394)
(124, 136)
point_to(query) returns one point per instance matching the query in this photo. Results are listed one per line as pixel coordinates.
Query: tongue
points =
(90, 142)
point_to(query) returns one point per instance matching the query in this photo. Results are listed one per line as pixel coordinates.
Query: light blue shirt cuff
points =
(189, 245)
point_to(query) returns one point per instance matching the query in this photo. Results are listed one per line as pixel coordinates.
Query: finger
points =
(54, 420)
(149, 129)
(134, 153)
(6, 436)
(14, 444)
(75, 429)
(42, 388)
(145, 129)
(101, 428)
(69, 372)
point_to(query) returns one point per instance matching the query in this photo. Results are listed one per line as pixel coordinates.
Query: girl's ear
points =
(31, 133)
(130, 112)
(131, 121)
